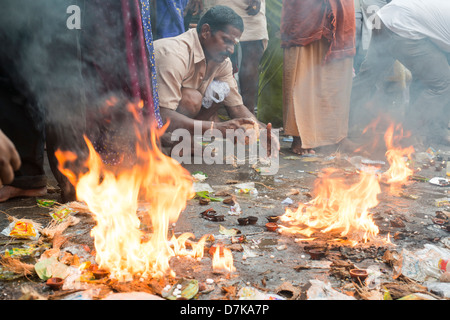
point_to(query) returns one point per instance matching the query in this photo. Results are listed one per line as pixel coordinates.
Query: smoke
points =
(39, 54)
(399, 77)
(70, 72)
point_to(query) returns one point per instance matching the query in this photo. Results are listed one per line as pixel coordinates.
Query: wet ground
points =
(267, 261)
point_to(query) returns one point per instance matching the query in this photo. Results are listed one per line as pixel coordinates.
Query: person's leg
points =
(190, 103)
(63, 95)
(296, 147)
(23, 122)
(290, 125)
(374, 68)
(191, 106)
(252, 52)
(64, 132)
(428, 114)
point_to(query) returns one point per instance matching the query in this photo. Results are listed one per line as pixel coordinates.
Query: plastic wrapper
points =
(199, 176)
(443, 265)
(287, 201)
(45, 203)
(201, 187)
(440, 288)
(442, 202)
(438, 181)
(246, 188)
(250, 293)
(19, 252)
(216, 92)
(320, 290)
(22, 229)
(235, 210)
(425, 264)
(61, 213)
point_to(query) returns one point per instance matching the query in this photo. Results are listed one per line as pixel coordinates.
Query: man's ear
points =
(205, 31)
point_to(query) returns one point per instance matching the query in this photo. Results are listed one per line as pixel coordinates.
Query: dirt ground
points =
(270, 262)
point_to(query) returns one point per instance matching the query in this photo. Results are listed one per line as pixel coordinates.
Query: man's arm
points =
(241, 111)
(178, 120)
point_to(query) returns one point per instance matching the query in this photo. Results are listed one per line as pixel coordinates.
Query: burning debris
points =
(338, 239)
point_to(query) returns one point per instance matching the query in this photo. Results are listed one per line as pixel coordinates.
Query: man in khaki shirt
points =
(187, 65)
(253, 43)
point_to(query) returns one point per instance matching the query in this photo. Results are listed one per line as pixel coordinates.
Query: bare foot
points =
(9, 192)
(296, 147)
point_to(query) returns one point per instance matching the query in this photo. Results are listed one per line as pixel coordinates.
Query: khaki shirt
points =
(180, 62)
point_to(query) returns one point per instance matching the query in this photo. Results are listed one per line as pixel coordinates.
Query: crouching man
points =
(195, 76)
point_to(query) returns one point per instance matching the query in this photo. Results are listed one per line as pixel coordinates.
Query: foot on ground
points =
(10, 192)
(296, 147)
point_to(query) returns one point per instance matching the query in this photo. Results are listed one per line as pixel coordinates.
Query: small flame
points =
(223, 260)
(398, 172)
(181, 244)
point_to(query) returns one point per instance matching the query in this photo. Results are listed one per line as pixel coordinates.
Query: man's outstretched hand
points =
(269, 140)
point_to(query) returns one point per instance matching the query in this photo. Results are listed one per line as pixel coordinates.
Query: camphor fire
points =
(223, 260)
(399, 172)
(343, 206)
(156, 183)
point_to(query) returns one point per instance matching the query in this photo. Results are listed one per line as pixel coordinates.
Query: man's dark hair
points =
(219, 17)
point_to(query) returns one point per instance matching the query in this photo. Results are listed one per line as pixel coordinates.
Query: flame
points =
(223, 260)
(181, 243)
(338, 206)
(344, 207)
(398, 172)
(156, 182)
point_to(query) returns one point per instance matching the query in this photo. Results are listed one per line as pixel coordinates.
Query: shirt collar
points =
(199, 55)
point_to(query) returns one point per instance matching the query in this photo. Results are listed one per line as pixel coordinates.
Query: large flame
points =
(338, 206)
(158, 186)
(343, 206)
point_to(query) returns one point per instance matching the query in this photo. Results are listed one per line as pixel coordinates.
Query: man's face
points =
(220, 45)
